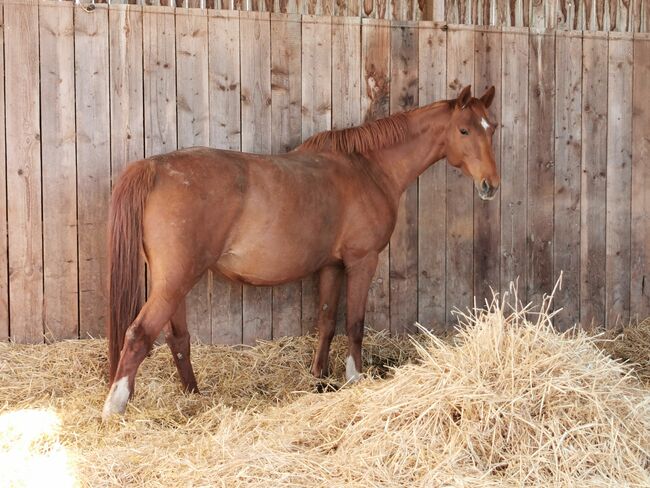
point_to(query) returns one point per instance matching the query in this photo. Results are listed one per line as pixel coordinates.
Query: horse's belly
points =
(267, 265)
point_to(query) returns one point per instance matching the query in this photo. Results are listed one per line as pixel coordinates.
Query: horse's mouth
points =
(488, 195)
(486, 191)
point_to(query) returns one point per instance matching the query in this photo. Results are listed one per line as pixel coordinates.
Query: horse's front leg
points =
(359, 274)
(329, 286)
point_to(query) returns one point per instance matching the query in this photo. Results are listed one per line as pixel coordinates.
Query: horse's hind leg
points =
(178, 340)
(139, 338)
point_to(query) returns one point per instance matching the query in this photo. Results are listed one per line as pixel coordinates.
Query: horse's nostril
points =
(485, 186)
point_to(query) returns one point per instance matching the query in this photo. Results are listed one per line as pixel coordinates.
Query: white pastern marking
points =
(351, 373)
(117, 398)
(484, 123)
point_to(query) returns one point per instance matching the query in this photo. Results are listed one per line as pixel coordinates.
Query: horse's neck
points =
(402, 163)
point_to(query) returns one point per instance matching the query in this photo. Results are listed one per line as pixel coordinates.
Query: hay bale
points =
(507, 402)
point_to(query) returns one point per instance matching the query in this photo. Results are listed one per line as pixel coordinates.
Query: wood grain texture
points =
(4, 272)
(255, 38)
(460, 188)
(487, 73)
(403, 249)
(60, 292)
(640, 220)
(159, 67)
(286, 134)
(93, 170)
(316, 117)
(126, 85)
(432, 197)
(23, 173)
(346, 97)
(193, 122)
(514, 152)
(568, 150)
(375, 100)
(541, 170)
(619, 161)
(593, 195)
(225, 133)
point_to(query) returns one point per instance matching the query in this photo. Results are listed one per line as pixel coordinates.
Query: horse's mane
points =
(367, 137)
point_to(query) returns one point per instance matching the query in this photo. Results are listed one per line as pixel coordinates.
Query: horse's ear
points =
(464, 97)
(488, 96)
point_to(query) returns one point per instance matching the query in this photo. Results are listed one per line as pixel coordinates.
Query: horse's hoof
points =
(117, 398)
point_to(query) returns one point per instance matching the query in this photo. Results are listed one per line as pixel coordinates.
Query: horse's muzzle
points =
(486, 191)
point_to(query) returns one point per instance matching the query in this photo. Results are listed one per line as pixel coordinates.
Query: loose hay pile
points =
(631, 344)
(507, 403)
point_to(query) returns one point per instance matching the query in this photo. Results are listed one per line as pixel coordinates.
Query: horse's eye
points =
(464, 132)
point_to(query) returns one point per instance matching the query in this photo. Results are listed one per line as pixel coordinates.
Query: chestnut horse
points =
(329, 206)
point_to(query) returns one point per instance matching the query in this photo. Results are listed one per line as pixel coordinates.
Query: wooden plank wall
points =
(595, 15)
(120, 82)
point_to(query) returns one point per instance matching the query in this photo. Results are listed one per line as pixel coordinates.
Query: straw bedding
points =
(507, 402)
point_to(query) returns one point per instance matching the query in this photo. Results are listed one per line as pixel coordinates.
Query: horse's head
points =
(469, 141)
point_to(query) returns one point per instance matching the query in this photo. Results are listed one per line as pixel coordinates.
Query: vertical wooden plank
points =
(346, 95)
(255, 39)
(225, 133)
(541, 107)
(375, 98)
(316, 117)
(351, 8)
(487, 73)
(460, 188)
(159, 73)
(403, 249)
(619, 162)
(60, 294)
(593, 185)
(93, 170)
(24, 173)
(432, 198)
(640, 284)
(4, 276)
(126, 85)
(127, 109)
(568, 150)
(194, 130)
(514, 151)
(286, 133)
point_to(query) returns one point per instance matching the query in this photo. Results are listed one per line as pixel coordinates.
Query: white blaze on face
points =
(484, 123)
(351, 373)
(117, 398)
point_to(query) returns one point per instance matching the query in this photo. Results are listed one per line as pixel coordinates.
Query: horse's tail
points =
(124, 254)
